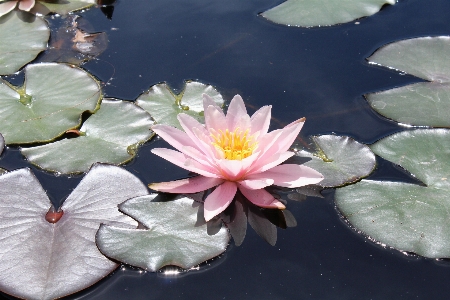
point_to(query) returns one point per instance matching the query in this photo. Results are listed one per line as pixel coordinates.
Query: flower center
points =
(234, 145)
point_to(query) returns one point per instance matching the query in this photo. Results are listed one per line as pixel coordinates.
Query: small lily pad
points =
(171, 238)
(340, 159)
(408, 217)
(112, 135)
(423, 103)
(307, 13)
(22, 37)
(48, 254)
(164, 105)
(51, 101)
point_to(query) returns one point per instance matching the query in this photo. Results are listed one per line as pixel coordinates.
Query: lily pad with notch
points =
(307, 13)
(112, 135)
(423, 103)
(49, 103)
(409, 217)
(56, 248)
(23, 36)
(171, 238)
(340, 159)
(164, 105)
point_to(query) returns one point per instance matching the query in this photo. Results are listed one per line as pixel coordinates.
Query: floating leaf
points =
(2, 146)
(43, 260)
(406, 216)
(164, 106)
(61, 6)
(112, 135)
(171, 238)
(307, 13)
(22, 37)
(340, 159)
(51, 101)
(423, 103)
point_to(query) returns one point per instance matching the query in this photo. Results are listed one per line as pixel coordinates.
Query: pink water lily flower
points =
(233, 151)
(8, 6)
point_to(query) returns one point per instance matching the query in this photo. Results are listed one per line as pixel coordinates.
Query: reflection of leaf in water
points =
(72, 43)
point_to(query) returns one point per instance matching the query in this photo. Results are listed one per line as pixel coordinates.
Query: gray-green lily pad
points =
(171, 238)
(22, 37)
(340, 159)
(164, 105)
(2, 146)
(48, 254)
(49, 103)
(308, 13)
(112, 135)
(423, 103)
(62, 7)
(408, 217)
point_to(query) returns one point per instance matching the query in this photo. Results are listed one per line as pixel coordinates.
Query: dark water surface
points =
(320, 74)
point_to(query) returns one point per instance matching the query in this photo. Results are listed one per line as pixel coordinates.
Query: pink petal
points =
(290, 133)
(197, 133)
(26, 5)
(207, 101)
(290, 175)
(256, 183)
(188, 123)
(219, 199)
(278, 141)
(230, 169)
(268, 163)
(198, 156)
(261, 198)
(215, 119)
(205, 142)
(6, 7)
(175, 137)
(237, 116)
(260, 120)
(188, 185)
(184, 162)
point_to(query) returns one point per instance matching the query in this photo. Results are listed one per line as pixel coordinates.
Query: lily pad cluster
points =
(409, 217)
(57, 248)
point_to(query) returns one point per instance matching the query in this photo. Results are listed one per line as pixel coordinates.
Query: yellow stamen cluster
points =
(234, 145)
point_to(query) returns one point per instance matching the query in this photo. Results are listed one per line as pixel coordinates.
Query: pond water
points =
(318, 73)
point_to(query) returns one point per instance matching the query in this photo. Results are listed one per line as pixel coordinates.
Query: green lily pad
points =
(56, 249)
(112, 135)
(307, 13)
(51, 101)
(22, 37)
(62, 7)
(164, 105)
(340, 159)
(408, 217)
(423, 103)
(171, 238)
